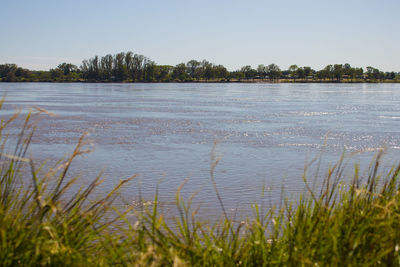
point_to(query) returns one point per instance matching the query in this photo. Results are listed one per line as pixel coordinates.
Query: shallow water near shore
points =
(264, 134)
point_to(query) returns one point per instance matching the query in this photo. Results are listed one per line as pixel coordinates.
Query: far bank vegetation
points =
(130, 67)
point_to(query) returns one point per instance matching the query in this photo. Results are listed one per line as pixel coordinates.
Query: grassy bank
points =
(349, 221)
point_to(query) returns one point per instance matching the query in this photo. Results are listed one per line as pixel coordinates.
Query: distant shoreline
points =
(266, 81)
(129, 67)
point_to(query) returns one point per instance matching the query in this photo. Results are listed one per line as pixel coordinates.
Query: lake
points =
(264, 134)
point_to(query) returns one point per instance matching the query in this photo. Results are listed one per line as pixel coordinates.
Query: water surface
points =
(265, 133)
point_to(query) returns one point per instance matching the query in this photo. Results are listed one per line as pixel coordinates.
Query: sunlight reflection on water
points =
(165, 132)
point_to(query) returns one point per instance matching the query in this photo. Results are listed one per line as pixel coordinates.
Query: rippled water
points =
(265, 133)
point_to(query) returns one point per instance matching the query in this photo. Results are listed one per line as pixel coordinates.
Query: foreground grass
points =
(350, 221)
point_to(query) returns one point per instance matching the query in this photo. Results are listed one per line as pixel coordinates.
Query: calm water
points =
(265, 133)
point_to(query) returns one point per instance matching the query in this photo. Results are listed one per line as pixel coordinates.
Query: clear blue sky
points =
(41, 34)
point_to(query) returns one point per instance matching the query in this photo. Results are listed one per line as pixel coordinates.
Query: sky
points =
(41, 34)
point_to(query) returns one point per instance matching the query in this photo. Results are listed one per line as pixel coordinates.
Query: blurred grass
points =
(349, 221)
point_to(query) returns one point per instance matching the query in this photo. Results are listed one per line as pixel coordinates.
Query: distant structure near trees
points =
(130, 67)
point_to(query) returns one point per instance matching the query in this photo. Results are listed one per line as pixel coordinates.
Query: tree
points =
(206, 69)
(249, 72)
(338, 71)
(10, 77)
(220, 72)
(8, 70)
(179, 72)
(193, 69)
(300, 73)
(22, 73)
(149, 71)
(349, 71)
(120, 68)
(273, 71)
(137, 67)
(293, 71)
(359, 73)
(107, 67)
(262, 71)
(374, 74)
(90, 68)
(67, 68)
(163, 72)
(238, 75)
(329, 72)
(128, 64)
(308, 72)
(56, 74)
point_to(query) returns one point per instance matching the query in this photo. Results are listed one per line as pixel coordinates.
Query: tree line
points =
(130, 67)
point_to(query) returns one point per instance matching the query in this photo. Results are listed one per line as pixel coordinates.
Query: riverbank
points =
(217, 81)
(349, 220)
